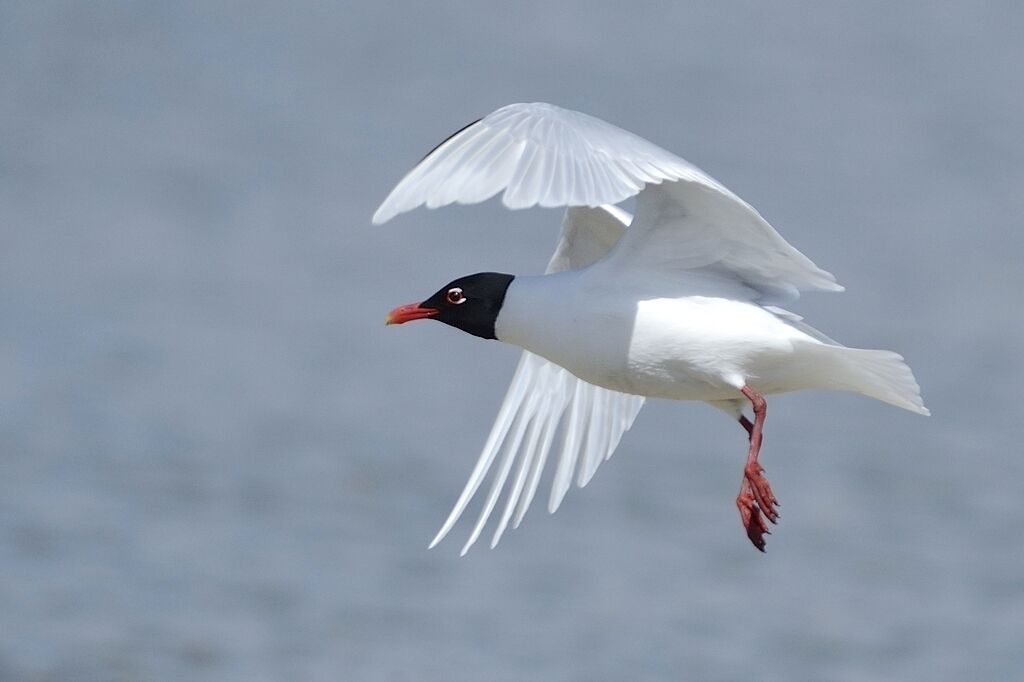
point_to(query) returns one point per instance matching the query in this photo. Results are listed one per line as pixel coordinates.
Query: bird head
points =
(469, 303)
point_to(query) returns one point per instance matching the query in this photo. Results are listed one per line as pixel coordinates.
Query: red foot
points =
(751, 516)
(748, 425)
(753, 475)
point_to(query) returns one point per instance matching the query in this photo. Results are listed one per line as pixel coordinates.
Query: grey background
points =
(216, 463)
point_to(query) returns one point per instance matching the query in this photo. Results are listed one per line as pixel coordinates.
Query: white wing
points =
(686, 227)
(542, 154)
(538, 154)
(544, 399)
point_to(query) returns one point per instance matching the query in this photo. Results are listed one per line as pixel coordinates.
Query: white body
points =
(684, 348)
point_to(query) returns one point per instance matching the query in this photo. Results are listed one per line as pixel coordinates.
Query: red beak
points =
(408, 312)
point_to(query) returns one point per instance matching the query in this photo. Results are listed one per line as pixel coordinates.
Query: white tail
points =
(878, 374)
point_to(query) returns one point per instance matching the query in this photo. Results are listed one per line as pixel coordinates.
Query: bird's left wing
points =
(688, 229)
(544, 400)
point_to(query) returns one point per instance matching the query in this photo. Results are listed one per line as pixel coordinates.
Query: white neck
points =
(571, 320)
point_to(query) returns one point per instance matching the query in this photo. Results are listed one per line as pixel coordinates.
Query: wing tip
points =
(437, 539)
(821, 280)
(833, 285)
(555, 500)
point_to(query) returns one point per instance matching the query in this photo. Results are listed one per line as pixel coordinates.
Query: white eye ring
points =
(455, 296)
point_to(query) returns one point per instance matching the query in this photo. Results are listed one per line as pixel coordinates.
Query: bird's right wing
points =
(539, 154)
(545, 399)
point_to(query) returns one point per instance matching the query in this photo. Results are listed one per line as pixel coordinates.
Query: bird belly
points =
(692, 348)
(685, 348)
(704, 348)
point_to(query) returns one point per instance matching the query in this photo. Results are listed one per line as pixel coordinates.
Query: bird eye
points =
(455, 296)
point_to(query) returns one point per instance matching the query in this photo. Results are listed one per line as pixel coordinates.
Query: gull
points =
(681, 301)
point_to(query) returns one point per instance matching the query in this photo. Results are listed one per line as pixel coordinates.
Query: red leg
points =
(748, 425)
(756, 500)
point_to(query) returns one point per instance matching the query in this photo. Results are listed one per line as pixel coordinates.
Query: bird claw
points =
(754, 477)
(751, 517)
(756, 502)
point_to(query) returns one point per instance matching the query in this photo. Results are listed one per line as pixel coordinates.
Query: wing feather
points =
(527, 457)
(524, 420)
(537, 466)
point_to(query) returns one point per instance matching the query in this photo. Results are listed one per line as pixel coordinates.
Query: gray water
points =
(218, 464)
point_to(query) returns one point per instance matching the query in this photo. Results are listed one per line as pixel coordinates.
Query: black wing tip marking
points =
(442, 142)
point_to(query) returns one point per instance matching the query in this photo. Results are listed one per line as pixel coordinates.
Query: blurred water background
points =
(216, 463)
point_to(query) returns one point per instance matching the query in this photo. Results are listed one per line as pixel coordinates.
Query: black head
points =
(470, 303)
